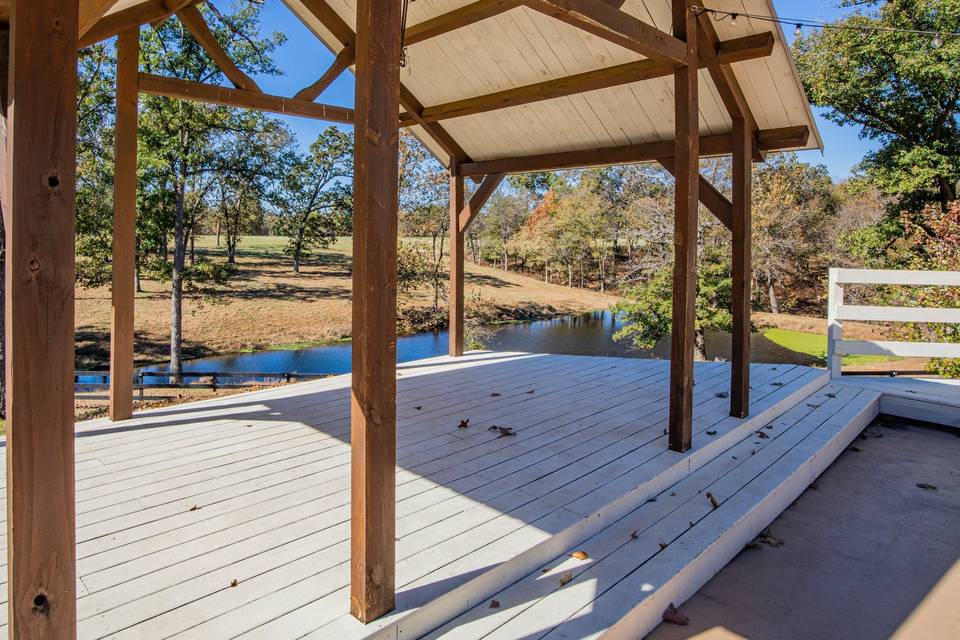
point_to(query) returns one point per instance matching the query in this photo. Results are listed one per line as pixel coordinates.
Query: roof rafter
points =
(139, 14)
(745, 48)
(462, 17)
(91, 11)
(192, 19)
(215, 94)
(612, 24)
(768, 140)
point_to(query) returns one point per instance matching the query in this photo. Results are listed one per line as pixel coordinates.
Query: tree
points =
(503, 216)
(181, 141)
(315, 197)
(899, 88)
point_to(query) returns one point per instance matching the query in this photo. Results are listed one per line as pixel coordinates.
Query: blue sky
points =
(303, 59)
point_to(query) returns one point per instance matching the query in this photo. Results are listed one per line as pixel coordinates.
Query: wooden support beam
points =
(40, 191)
(741, 268)
(193, 20)
(478, 199)
(710, 197)
(456, 299)
(138, 14)
(91, 11)
(456, 19)
(687, 167)
(716, 145)
(612, 24)
(124, 227)
(374, 407)
(746, 48)
(215, 94)
(329, 18)
(342, 62)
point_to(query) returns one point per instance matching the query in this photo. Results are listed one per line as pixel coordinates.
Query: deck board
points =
(268, 473)
(933, 400)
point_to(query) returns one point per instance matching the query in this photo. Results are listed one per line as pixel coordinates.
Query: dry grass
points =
(266, 305)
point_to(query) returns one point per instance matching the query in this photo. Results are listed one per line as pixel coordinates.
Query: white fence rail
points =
(837, 312)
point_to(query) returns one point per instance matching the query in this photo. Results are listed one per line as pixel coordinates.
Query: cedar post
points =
(39, 188)
(456, 262)
(742, 143)
(687, 160)
(374, 408)
(124, 227)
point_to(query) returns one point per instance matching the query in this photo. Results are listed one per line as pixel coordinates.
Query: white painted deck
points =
(177, 504)
(935, 400)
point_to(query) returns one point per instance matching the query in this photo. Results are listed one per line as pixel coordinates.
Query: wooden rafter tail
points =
(746, 48)
(343, 61)
(715, 145)
(139, 14)
(479, 198)
(710, 197)
(612, 24)
(91, 11)
(215, 94)
(193, 20)
(457, 19)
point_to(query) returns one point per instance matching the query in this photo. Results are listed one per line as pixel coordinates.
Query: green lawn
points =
(815, 345)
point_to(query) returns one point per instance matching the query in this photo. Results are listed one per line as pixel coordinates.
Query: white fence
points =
(837, 312)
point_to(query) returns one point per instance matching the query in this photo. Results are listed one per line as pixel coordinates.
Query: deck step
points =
(664, 550)
(621, 488)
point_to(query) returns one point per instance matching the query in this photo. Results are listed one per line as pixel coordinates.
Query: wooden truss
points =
(40, 246)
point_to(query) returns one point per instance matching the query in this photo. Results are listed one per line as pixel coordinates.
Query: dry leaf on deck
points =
(635, 534)
(494, 604)
(722, 394)
(928, 487)
(663, 545)
(418, 407)
(494, 395)
(713, 500)
(464, 424)
(532, 391)
(194, 508)
(579, 555)
(712, 432)
(234, 582)
(761, 434)
(503, 431)
(673, 616)
(565, 578)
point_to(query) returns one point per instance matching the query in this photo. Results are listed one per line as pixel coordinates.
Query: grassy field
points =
(267, 305)
(815, 345)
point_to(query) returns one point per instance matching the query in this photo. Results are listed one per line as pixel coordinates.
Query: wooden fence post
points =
(40, 186)
(834, 325)
(687, 201)
(374, 408)
(124, 227)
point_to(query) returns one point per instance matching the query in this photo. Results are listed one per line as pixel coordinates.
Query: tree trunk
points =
(699, 345)
(771, 292)
(218, 234)
(176, 287)
(570, 275)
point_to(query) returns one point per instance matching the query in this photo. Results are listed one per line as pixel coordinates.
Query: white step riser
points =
(647, 615)
(469, 594)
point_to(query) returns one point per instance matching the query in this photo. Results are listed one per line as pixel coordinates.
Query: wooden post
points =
(687, 161)
(456, 262)
(741, 227)
(374, 408)
(40, 187)
(124, 227)
(834, 325)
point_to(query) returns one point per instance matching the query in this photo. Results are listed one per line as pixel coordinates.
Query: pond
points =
(580, 334)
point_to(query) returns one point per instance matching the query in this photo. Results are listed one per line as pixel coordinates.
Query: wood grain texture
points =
(193, 20)
(215, 94)
(456, 19)
(124, 227)
(456, 263)
(139, 14)
(478, 199)
(343, 61)
(374, 409)
(741, 271)
(91, 11)
(686, 202)
(710, 197)
(41, 186)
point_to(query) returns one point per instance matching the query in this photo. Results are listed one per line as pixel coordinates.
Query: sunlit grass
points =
(815, 345)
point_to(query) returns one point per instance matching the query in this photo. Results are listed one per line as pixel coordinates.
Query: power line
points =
(799, 23)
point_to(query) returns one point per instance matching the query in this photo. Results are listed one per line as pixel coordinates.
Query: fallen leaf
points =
(767, 538)
(769, 426)
(579, 555)
(565, 578)
(418, 407)
(664, 432)
(857, 449)
(545, 569)
(673, 493)
(663, 545)
(194, 507)
(532, 391)
(722, 394)
(651, 499)
(830, 395)
(494, 604)
(753, 452)
(635, 534)
(814, 486)
(691, 524)
(464, 424)
(928, 487)
(234, 582)
(713, 500)
(503, 431)
(712, 432)
(494, 395)
(777, 384)
(761, 434)
(673, 616)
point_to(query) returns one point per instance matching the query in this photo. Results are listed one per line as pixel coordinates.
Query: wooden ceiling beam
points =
(91, 11)
(214, 94)
(716, 145)
(343, 60)
(456, 19)
(139, 14)
(746, 48)
(193, 21)
(612, 24)
(329, 18)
